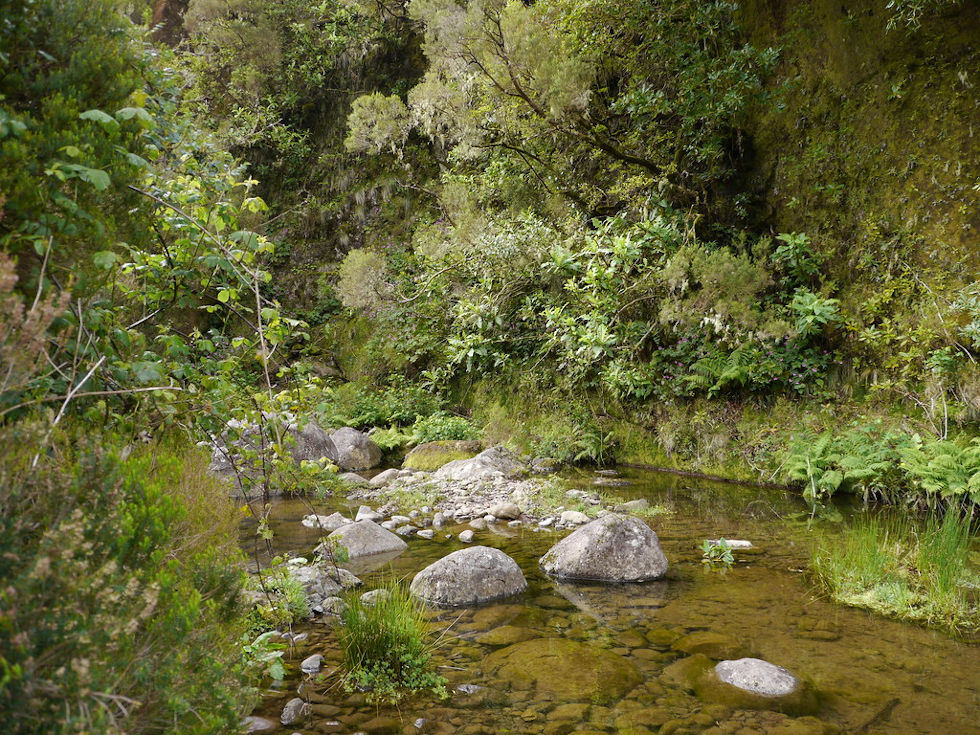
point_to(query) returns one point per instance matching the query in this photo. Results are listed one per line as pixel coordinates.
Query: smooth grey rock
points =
(383, 478)
(352, 478)
(469, 577)
(633, 506)
(366, 538)
(328, 523)
(258, 724)
(613, 548)
(758, 677)
(372, 597)
(366, 513)
(296, 710)
(407, 530)
(303, 442)
(545, 522)
(733, 543)
(506, 511)
(427, 533)
(514, 524)
(389, 525)
(478, 523)
(355, 450)
(466, 536)
(321, 581)
(438, 520)
(573, 518)
(488, 464)
(311, 664)
(401, 520)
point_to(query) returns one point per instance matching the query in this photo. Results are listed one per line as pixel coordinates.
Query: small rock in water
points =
(607, 473)
(545, 522)
(333, 605)
(506, 511)
(389, 525)
(513, 524)
(407, 530)
(469, 688)
(428, 533)
(258, 724)
(478, 523)
(401, 520)
(365, 513)
(295, 711)
(438, 520)
(466, 536)
(311, 664)
(758, 677)
(574, 518)
(383, 478)
(733, 543)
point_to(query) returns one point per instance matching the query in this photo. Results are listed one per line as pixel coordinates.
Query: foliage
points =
(285, 600)
(716, 553)
(442, 426)
(887, 465)
(121, 584)
(904, 569)
(385, 646)
(909, 13)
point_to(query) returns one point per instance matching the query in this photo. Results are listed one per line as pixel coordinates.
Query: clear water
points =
(872, 675)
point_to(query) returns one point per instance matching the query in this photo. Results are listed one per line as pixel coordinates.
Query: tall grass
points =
(386, 646)
(903, 568)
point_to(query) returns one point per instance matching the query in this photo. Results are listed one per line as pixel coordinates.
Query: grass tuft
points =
(903, 569)
(386, 647)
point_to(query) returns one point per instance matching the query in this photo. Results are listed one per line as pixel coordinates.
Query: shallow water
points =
(871, 675)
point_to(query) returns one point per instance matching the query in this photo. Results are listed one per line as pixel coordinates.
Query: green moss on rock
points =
(433, 455)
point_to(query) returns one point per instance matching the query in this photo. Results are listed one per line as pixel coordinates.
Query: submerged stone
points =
(711, 644)
(758, 677)
(567, 670)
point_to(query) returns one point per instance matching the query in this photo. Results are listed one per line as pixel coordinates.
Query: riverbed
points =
(871, 675)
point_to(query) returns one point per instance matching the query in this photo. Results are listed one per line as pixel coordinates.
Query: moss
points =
(433, 455)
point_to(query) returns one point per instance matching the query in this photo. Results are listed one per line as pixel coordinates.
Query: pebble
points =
(466, 536)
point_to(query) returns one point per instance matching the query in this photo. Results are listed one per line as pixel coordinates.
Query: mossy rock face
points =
(568, 670)
(433, 455)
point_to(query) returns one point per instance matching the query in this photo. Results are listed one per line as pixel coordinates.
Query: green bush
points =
(120, 580)
(386, 648)
(442, 426)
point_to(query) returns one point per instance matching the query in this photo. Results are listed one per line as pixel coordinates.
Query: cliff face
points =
(871, 140)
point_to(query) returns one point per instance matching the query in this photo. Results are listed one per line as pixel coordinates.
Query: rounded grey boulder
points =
(612, 548)
(355, 450)
(469, 577)
(757, 677)
(366, 538)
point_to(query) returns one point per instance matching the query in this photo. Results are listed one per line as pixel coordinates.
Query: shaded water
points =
(872, 675)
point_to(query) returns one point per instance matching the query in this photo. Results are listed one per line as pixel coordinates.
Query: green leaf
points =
(104, 259)
(100, 117)
(141, 116)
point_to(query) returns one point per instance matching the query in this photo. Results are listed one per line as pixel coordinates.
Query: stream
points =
(871, 675)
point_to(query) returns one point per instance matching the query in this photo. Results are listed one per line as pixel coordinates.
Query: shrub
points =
(442, 426)
(120, 585)
(385, 646)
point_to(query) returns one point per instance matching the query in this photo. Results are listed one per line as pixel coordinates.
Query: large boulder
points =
(366, 538)
(613, 548)
(469, 577)
(433, 455)
(488, 464)
(302, 441)
(562, 669)
(355, 450)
